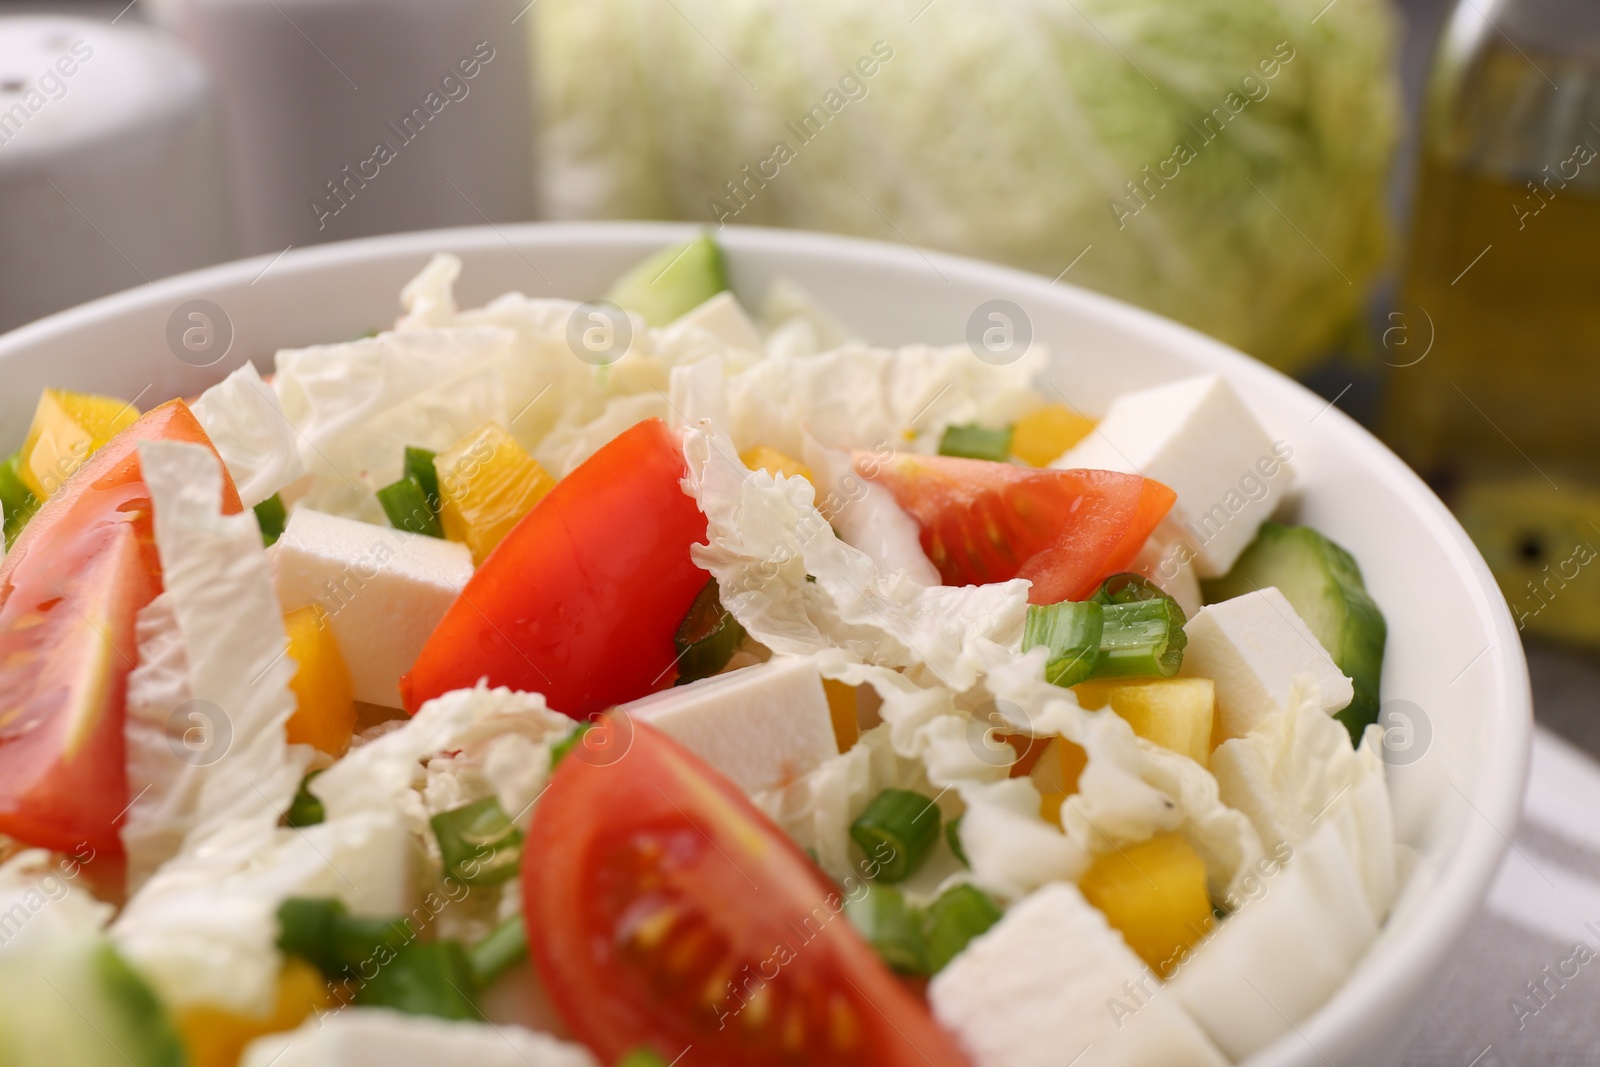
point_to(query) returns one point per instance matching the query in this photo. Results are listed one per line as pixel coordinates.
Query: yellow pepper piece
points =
(487, 483)
(217, 1038)
(325, 712)
(67, 429)
(1056, 775)
(1155, 894)
(762, 458)
(1059, 766)
(1040, 437)
(1175, 713)
(842, 707)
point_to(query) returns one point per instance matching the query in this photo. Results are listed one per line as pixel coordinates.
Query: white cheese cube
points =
(1280, 956)
(1196, 437)
(723, 318)
(384, 591)
(761, 726)
(367, 860)
(379, 1037)
(1052, 984)
(1257, 649)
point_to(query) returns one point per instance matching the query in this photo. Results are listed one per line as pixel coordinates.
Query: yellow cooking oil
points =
(1495, 396)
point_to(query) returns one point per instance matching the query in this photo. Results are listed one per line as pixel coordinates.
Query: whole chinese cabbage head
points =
(1219, 161)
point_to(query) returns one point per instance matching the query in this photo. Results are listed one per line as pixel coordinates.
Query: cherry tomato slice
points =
(582, 598)
(1063, 530)
(70, 591)
(664, 909)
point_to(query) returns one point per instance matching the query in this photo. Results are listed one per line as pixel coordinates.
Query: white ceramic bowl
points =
(1453, 652)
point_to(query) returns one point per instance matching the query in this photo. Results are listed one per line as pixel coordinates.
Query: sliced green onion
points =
(1128, 589)
(16, 499)
(424, 978)
(321, 931)
(975, 442)
(420, 469)
(305, 929)
(342, 946)
(478, 843)
(960, 914)
(272, 517)
(504, 948)
(1071, 630)
(897, 831)
(357, 937)
(1143, 638)
(559, 750)
(707, 638)
(305, 809)
(406, 504)
(952, 833)
(643, 1056)
(891, 926)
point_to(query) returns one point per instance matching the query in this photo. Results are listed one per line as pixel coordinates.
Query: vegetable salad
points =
(490, 690)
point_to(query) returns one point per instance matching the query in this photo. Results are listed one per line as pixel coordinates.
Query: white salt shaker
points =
(111, 163)
(356, 117)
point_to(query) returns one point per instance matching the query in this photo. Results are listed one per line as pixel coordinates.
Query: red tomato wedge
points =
(664, 910)
(582, 599)
(1063, 530)
(69, 593)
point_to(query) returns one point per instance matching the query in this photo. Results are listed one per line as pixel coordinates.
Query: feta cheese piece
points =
(1275, 960)
(378, 1037)
(1051, 984)
(724, 318)
(761, 726)
(1257, 649)
(384, 591)
(1197, 437)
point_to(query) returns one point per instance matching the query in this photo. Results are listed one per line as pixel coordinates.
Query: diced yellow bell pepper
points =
(762, 458)
(67, 429)
(487, 483)
(325, 712)
(1056, 774)
(1155, 894)
(217, 1038)
(1041, 436)
(842, 707)
(1175, 713)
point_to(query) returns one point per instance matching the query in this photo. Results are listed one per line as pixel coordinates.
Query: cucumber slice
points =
(1323, 583)
(16, 500)
(72, 1000)
(672, 281)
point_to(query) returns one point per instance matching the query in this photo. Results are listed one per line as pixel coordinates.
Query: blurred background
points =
(1396, 202)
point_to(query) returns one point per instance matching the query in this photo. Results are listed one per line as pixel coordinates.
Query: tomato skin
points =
(982, 522)
(753, 965)
(70, 591)
(582, 598)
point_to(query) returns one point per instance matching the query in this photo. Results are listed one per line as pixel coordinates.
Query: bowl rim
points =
(1413, 953)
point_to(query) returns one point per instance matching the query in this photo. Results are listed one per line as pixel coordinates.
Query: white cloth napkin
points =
(1524, 985)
